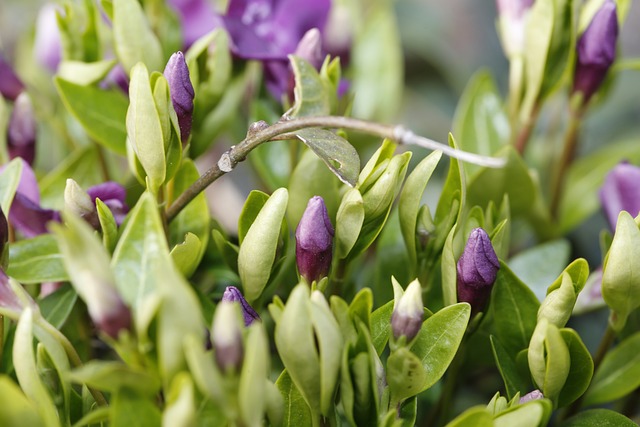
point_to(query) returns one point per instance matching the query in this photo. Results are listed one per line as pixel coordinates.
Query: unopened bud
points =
(177, 74)
(10, 85)
(406, 319)
(226, 336)
(512, 24)
(21, 135)
(78, 201)
(314, 241)
(310, 48)
(477, 269)
(231, 294)
(621, 192)
(532, 395)
(596, 50)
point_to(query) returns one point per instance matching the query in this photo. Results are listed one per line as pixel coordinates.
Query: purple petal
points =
(21, 135)
(29, 218)
(197, 18)
(10, 84)
(231, 293)
(113, 195)
(177, 74)
(47, 45)
(621, 192)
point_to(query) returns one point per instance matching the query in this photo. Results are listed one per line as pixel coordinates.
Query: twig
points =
(260, 132)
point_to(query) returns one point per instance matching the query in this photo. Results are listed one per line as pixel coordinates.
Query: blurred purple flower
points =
(314, 241)
(621, 192)
(113, 195)
(47, 44)
(117, 77)
(596, 50)
(231, 294)
(477, 269)
(177, 74)
(197, 18)
(10, 85)
(21, 133)
(8, 298)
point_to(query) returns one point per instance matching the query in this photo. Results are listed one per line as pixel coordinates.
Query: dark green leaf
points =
(252, 206)
(599, 418)
(311, 96)
(581, 369)
(506, 364)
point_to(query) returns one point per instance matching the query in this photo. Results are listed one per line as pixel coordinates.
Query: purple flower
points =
(621, 192)
(117, 77)
(477, 269)
(406, 319)
(21, 134)
(314, 241)
(177, 74)
(8, 298)
(231, 294)
(596, 50)
(47, 44)
(197, 18)
(113, 195)
(10, 85)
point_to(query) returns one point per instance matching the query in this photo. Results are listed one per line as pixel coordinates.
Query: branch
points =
(260, 132)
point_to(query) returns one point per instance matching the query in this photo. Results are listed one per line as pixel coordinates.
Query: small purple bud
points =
(231, 294)
(621, 192)
(310, 48)
(21, 134)
(113, 195)
(118, 318)
(177, 74)
(314, 241)
(406, 319)
(512, 24)
(532, 395)
(10, 85)
(596, 50)
(47, 46)
(226, 336)
(477, 270)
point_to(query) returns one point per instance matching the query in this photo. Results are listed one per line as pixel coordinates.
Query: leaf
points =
(17, 410)
(186, 255)
(9, 180)
(134, 41)
(349, 220)
(129, 409)
(581, 369)
(405, 375)
(84, 73)
(296, 411)
(549, 359)
(311, 96)
(255, 368)
(531, 414)
(336, 152)
(506, 364)
(477, 416)
(101, 113)
(56, 307)
(252, 206)
(381, 326)
(36, 260)
(112, 376)
(515, 309)
(599, 418)
(108, 226)
(410, 198)
(619, 373)
(437, 342)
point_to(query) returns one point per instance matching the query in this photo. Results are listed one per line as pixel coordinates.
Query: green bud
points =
(226, 336)
(379, 197)
(558, 304)
(77, 201)
(348, 222)
(620, 285)
(549, 359)
(408, 311)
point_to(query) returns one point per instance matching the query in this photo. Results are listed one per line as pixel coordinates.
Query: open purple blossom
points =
(314, 241)
(177, 74)
(596, 50)
(231, 294)
(197, 18)
(621, 192)
(21, 134)
(47, 46)
(477, 269)
(10, 85)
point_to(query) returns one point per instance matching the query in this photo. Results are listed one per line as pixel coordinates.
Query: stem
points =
(525, 132)
(260, 134)
(516, 73)
(568, 154)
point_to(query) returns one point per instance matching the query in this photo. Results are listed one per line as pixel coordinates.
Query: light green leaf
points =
(296, 411)
(36, 260)
(180, 409)
(56, 307)
(17, 410)
(405, 375)
(252, 206)
(477, 416)
(101, 113)
(111, 376)
(531, 414)
(549, 359)
(186, 255)
(133, 38)
(349, 220)
(108, 226)
(381, 326)
(84, 73)
(255, 369)
(437, 342)
(130, 409)
(311, 96)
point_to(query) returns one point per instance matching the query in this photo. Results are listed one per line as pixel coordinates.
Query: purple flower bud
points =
(10, 85)
(596, 50)
(621, 192)
(47, 44)
(113, 195)
(231, 294)
(21, 134)
(406, 319)
(314, 241)
(226, 336)
(117, 319)
(512, 24)
(177, 74)
(477, 270)
(532, 395)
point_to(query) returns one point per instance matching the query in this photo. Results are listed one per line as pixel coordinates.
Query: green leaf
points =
(17, 410)
(531, 414)
(619, 373)
(186, 255)
(480, 122)
(180, 409)
(581, 369)
(410, 198)
(599, 418)
(133, 38)
(381, 326)
(296, 411)
(478, 416)
(36, 260)
(361, 306)
(405, 375)
(336, 152)
(205, 375)
(108, 226)
(549, 359)
(252, 206)
(258, 250)
(437, 342)
(130, 409)
(349, 220)
(101, 113)
(255, 368)
(9, 179)
(311, 96)
(111, 376)
(561, 48)
(515, 309)
(506, 364)
(56, 307)
(84, 73)
(227, 250)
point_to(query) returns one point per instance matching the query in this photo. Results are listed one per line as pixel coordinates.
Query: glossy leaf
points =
(581, 369)
(296, 411)
(381, 326)
(405, 374)
(477, 416)
(252, 206)
(133, 38)
(311, 95)
(101, 113)
(506, 364)
(549, 359)
(531, 414)
(598, 418)
(349, 220)
(186, 255)
(108, 226)
(56, 307)
(36, 260)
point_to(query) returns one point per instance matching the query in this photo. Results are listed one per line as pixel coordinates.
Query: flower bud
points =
(532, 395)
(21, 134)
(177, 74)
(78, 201)
(47, 46)
(10, 85)
(621, 192)
(310, 48)
(314, 241)
(113, 195)
(406, 319)
(231, 294)
(226, 335)
(512, 24)
(477, 270)
(596, 50)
